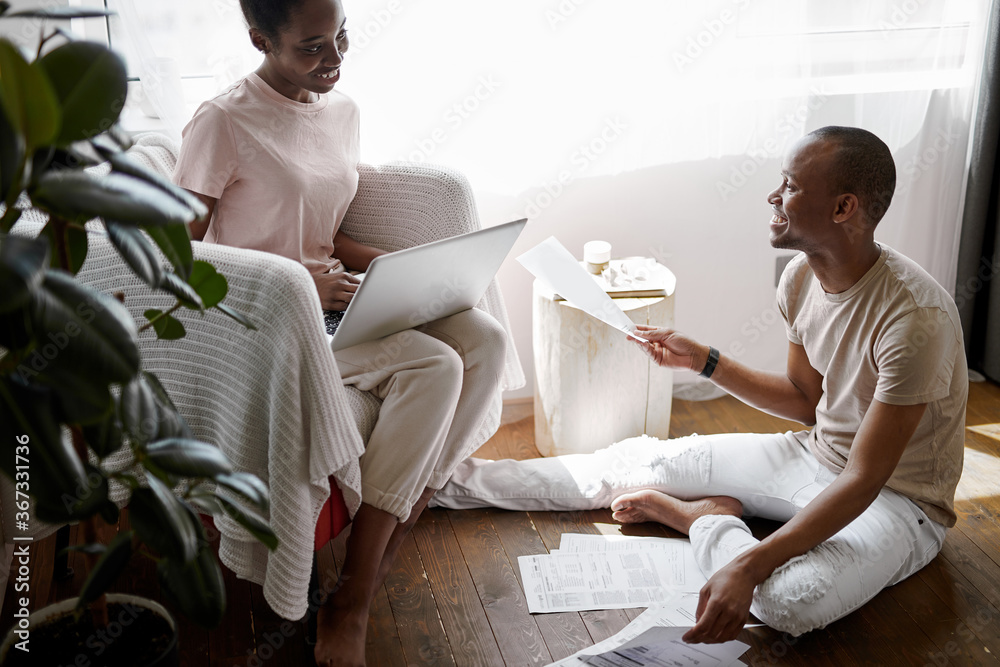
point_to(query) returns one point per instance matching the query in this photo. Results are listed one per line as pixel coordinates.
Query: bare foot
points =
(649, 505)
(340, 637)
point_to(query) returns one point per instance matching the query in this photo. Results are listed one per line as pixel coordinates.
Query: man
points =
(875, 361)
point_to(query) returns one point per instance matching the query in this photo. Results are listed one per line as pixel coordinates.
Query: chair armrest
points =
(404, 204)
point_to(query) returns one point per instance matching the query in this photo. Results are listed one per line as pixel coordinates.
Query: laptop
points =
(417, 285)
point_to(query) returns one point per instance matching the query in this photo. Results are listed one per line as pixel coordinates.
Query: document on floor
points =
(588, 573)
(653, 638)
(551, 263)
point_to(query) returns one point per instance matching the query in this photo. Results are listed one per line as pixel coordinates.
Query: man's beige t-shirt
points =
(283, 172)
(895, 337)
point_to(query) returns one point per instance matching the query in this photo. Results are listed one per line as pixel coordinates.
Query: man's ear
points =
(259, 41)
(846, 208)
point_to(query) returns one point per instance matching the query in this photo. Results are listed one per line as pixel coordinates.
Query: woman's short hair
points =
(269, 16)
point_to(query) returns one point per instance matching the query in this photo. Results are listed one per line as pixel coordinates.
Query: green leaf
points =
(109, 512)
(90, 338)
(9, 219)
(247, 485)
(196, 588)
(11, 153)
(105, 436)
(255, 524)
(90, 82)
(182, 290)
(78, 196)
(75, 504)
(207, 503)
(236, 315)
(16, 334)
(75, 239)
(175, 243)
(124, 163)
(209, 283)
(28, 412)
(137, 252)
(138, 411)
(120, 137)
(188, 458)
(59, 13)
(162, 522)
(172, 424)
(167, 327)
(22, 269)
(90, 407)
(107, 569)
(28, 97)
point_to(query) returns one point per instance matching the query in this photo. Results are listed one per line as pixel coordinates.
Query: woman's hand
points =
(671, 349)
(336, 289)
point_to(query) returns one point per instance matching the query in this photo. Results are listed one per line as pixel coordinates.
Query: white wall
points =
(718, 250)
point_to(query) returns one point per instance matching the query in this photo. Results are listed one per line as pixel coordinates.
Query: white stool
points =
(593, 386)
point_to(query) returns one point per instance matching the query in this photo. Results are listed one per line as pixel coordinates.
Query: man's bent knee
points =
(811, 591)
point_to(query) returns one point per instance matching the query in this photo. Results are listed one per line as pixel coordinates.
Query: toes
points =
(628, 515)
(628, 501)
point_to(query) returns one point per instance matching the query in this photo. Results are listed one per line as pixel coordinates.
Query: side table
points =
(593, 386)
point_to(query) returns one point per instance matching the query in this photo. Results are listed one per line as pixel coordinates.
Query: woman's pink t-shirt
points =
(283, 172)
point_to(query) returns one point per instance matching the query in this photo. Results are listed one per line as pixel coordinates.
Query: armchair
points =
(273, 399)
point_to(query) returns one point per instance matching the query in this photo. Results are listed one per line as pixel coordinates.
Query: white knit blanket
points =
(273, 399)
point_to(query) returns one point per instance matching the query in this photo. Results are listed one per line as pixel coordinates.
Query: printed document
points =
(608, 572)
(551, 263)
(676, 615)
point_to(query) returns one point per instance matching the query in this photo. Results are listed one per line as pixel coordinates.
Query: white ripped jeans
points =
(773, 475)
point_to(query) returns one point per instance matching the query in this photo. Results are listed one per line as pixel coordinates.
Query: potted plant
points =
(70, 362)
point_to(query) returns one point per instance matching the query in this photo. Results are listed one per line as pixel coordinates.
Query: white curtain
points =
(656, 124)
(182, 51)
(516, 93)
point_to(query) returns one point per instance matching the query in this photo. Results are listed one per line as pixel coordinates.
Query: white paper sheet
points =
(679, 611)
(551, 263)
(632, 574)
(663, 647)
(676, 552)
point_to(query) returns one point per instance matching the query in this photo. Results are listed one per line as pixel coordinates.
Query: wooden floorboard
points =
(516, 632)
(421, 635)
(454, 596)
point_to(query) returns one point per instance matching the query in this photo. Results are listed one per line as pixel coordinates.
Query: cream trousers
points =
(774, 476)
(437, 383)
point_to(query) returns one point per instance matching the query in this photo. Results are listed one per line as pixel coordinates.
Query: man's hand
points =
(336, 289)
(671, 349)
(723, 606)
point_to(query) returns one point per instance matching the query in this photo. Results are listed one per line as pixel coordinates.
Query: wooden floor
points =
(454, 597)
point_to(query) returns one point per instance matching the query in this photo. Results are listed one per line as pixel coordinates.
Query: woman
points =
(275, 160)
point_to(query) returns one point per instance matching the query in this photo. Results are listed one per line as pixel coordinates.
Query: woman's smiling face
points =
(309, 50)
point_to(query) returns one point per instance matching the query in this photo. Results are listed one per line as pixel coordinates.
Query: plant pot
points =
(126, 612)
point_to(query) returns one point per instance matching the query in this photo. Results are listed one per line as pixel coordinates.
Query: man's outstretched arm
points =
(724, 603)
(793, 394)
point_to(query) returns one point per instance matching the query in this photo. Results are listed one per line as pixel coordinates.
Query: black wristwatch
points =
(711, 363)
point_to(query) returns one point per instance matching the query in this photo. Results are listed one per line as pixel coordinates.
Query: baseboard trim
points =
(523, 400)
